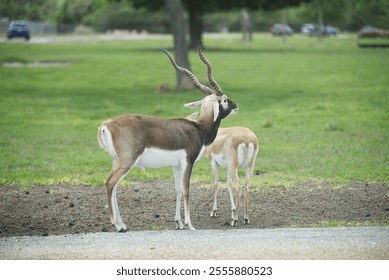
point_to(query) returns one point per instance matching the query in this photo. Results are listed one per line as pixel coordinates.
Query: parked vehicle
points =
(307, 29)
(279, 29)
(329, 30)
(18, 28)
(310, 29)
(369, 31)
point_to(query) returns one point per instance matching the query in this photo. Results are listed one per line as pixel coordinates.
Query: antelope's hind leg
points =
(231, 195)
(215, 188)
(246, 195)
(111, 185)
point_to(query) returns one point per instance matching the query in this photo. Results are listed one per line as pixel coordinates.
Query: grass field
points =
(320, 111)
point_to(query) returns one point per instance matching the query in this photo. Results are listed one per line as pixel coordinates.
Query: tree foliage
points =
(373, 12)
(25, 9)
(196, 9)
(73, 11)
(348, 14)
(140, 14)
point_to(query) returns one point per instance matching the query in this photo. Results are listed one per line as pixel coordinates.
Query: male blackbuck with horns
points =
(147, 141)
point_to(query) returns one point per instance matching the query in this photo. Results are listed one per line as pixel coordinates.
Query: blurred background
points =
(151, 16)
(310, 78)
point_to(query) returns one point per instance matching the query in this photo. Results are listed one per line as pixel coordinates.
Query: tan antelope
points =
(233, 148)
(152, 142)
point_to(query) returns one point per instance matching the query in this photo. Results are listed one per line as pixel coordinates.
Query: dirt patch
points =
(55, 210)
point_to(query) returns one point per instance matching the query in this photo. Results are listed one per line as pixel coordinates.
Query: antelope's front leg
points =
(178, 185)
(186, 183)
(177, 219)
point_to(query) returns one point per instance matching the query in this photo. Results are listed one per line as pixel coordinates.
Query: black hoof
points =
(122, 230)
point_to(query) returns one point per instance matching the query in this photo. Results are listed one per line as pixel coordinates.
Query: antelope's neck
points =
(209, 129)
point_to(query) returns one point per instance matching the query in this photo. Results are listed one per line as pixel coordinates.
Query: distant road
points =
(47, 39)
(290, 243)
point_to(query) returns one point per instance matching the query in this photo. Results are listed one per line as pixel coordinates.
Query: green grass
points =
(373, 41)
(320, 111)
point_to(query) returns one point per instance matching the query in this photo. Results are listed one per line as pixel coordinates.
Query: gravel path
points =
(292, 243)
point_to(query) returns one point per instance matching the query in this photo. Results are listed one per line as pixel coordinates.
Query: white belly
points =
(157, 158)
(242, 156)
(220, 159)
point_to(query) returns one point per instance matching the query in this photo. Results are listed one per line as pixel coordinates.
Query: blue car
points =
(279, 29)
(18, 28)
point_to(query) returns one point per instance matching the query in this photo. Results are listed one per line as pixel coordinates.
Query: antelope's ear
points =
(215, 111)
(193, 116)
(196, 104)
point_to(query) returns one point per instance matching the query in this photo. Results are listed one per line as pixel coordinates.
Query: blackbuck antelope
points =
(148, 141)
(233, 147)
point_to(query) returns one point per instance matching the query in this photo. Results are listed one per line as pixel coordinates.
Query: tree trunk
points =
(285, 21)
(320, 19)
(178, 26)
(195, 25)
(245, 23)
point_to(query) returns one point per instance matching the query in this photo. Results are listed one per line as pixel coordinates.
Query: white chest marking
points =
(157, 158)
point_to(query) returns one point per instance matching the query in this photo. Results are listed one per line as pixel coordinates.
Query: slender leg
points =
(234, 179)
(246, 195)
(231, 195)
(249, 174)
(111, 187)
(215, 187)
(178, 175)
(186, 183)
